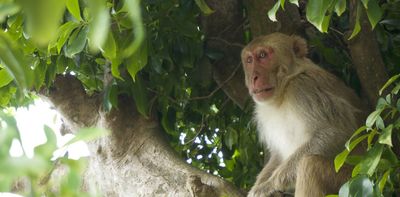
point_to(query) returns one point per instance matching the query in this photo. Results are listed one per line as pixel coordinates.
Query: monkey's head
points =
(268, 60)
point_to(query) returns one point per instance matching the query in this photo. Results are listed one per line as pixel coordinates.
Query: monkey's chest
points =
(281, 129)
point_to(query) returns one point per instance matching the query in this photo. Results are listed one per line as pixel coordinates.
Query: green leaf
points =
(7, 9)
(140, 95)
(64, 32)
(357, 26)
(99, 25)
(134, 13)
(355, 142)
(386, 136)
(77, 43)
(5, 78)
(325, 23)
(374, 12)
(340, 159)
(204, 7)
(88, 134)
(383, 180)
(371, 160)
(110, 97)
(388, 83)
(358, 131)
(361, 186)
(372, 118)
(273, 10)
(344, 190)
(340, 7)
(46, 150)
(6, 94)
(73, 8)
(110, 47)
(296, 2)
(282, 4)
(168, 120)
(231, 137)
(365, 3)
(115, 68)
(14, 62)
(137, 60)
(316, 12)
(43, 18)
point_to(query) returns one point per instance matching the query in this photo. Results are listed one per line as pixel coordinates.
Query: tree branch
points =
(70, 99)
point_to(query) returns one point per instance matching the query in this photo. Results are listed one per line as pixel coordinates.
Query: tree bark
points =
(366, 56)
(224, 33)
(134, 160)
(288, 20)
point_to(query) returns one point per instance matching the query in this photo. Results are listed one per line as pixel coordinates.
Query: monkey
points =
(304, 116)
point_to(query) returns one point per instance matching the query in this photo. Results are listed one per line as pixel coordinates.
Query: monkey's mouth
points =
(259, 91)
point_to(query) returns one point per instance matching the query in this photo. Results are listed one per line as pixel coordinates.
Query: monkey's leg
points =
(316, 177)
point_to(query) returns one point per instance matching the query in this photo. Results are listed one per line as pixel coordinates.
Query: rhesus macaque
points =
(304, 116)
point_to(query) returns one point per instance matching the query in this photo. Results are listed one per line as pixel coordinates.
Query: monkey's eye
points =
(249, 60)
(262, 54)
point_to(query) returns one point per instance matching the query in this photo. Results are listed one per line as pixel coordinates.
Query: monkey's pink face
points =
(257, 63)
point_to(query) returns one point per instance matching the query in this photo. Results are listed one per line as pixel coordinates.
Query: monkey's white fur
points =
(281, 128)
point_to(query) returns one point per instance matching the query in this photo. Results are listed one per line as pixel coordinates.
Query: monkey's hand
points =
(280, 180)
(264, 189)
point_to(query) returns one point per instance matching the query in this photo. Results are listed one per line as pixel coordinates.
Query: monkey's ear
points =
(299, 46)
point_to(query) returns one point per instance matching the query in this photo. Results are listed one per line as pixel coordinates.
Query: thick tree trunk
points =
(367, 59)
(134, 160)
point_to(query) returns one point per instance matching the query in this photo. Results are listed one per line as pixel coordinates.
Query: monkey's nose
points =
(255, 78)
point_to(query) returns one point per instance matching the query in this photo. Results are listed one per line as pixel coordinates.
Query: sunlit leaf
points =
(88, 134)
(14, 62)
(383, 180)
(43, 18)
(6, 9)
(388, 83)
(296, 2)
(115, 68)
(204, 7)
(73, 8)
(64, 32)
(340, 159)
(99, 25)
(282, 4)
(110, 48)
(46, 150)
(340, 7)
(365, 3)
(386, 136)
(5, 78)
(372, 118)
(273, 10)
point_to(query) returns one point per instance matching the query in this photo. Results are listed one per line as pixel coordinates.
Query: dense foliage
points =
(154, 51)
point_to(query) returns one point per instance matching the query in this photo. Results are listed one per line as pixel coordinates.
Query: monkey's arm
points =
(324, 143)
(266, 172)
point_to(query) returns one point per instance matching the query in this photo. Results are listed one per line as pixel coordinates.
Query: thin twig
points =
(198, 133)
(219, 86)
(226, 42)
